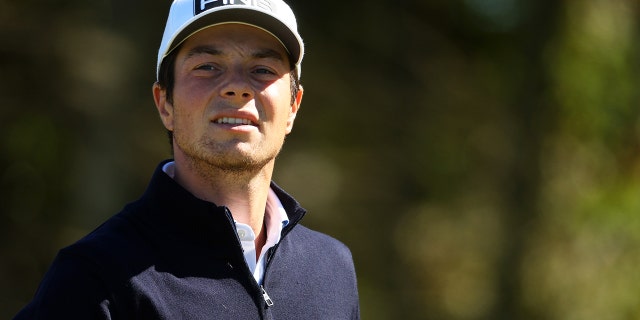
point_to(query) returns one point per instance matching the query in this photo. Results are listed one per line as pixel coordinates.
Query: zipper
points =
(265, 295)
(269, 254)
(267, 300)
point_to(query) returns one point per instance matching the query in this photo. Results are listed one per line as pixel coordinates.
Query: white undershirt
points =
(275, 218)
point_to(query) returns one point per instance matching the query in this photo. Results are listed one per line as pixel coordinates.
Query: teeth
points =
(233, 121)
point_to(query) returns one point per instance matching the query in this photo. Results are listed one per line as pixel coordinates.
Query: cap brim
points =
(242, 15)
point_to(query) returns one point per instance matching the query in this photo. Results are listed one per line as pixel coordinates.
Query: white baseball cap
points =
(186, 17)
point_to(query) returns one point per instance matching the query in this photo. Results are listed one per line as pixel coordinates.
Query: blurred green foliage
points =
(480, 158)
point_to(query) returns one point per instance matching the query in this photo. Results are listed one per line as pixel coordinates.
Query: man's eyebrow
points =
(268, 54)
(203, 50)
(211, 50)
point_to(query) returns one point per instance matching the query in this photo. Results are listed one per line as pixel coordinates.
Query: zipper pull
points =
(266, 297)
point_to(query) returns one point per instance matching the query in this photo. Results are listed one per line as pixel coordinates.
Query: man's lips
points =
(233, 120)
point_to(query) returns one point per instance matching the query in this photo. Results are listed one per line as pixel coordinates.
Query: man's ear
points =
(165, 109)
(294, 110)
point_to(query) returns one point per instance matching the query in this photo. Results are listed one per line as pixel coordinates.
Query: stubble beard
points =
(212, 158)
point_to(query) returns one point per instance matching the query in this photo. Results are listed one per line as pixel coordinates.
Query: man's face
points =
(232, 98)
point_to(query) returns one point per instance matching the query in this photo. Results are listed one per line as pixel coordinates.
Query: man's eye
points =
(205, 67)
(263, 71)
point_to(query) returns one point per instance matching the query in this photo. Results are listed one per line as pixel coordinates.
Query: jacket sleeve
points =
(71, 289)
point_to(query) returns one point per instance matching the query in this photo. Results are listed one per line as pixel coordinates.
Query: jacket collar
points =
(174, 212)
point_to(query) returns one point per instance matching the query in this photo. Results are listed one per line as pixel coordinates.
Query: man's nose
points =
(236, 86)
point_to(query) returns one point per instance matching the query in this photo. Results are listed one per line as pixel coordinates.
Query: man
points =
(212, 237)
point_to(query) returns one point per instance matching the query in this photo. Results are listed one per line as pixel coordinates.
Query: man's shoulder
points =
(114, 241)
(309, 234)
(314, 242)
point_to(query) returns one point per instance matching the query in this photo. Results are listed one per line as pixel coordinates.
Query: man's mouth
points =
(228, 120)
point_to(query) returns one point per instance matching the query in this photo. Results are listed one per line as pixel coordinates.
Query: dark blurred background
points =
(481, 158)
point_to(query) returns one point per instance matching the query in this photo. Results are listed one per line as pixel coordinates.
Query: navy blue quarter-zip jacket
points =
(170, 255)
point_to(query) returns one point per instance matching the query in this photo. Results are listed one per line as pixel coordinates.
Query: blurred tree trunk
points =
(534, 115)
